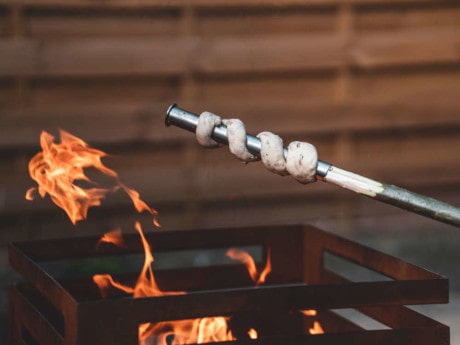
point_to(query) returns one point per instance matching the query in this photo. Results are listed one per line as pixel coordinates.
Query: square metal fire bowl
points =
(45, 309)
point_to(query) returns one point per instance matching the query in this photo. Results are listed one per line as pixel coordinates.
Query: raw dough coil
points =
(206, 123)
(301, 161)
(272, 152)
(236, 133)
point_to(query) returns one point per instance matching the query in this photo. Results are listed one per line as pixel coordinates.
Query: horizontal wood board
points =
(373, 84)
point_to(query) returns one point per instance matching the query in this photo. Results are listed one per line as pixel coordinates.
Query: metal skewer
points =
(326, 172)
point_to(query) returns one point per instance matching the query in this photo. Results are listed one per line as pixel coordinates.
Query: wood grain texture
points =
(373, 84)
(204, 3)
(95, 57)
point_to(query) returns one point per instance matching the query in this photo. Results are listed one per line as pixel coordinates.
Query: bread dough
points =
(301, 161)
(272, 152)
(206, 123)
(236, 133)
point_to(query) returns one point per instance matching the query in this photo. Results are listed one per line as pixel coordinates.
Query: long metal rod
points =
(326, 172)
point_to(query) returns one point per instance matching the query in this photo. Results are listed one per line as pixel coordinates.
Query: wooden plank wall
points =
(374, 84)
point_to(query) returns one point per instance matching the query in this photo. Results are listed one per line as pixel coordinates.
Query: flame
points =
(309, 312)
(59, 165)
(245, 258)
(139, 204)
(113, 237)
(316, 329)
(145, 285)
(252, 333)
(258, 278)
(56, 169)
(195, 331)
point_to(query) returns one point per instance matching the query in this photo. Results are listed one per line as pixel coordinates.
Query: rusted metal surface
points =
(71, 311)
(31, 313)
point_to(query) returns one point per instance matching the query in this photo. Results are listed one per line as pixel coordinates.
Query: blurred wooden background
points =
(374, 84)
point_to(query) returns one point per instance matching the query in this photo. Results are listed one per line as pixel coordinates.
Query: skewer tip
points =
(168, 112)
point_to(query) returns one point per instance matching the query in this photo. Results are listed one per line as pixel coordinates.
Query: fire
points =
(252, 333)
(59, 165)
(309, 312)
(145, 285)
(195, 331)
(113, 237)
(244, 257)
(316, 329)
(56, 169)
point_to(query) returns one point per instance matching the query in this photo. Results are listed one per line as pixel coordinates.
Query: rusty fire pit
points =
(48, 310)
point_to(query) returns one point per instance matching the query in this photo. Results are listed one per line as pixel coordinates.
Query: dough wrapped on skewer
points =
(206, 123)
(272, 152)
(300, 161)
(236, 132)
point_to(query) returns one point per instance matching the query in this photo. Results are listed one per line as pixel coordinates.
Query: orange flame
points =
(316, 329)
(309, 312)
(245, 258)
(139, 204)
(59, 165)
(56, 168)
(195, 331)
(145, 285)
(113, 237)
(252, 333)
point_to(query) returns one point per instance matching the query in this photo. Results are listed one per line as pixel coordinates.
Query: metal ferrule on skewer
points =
(326, 172)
